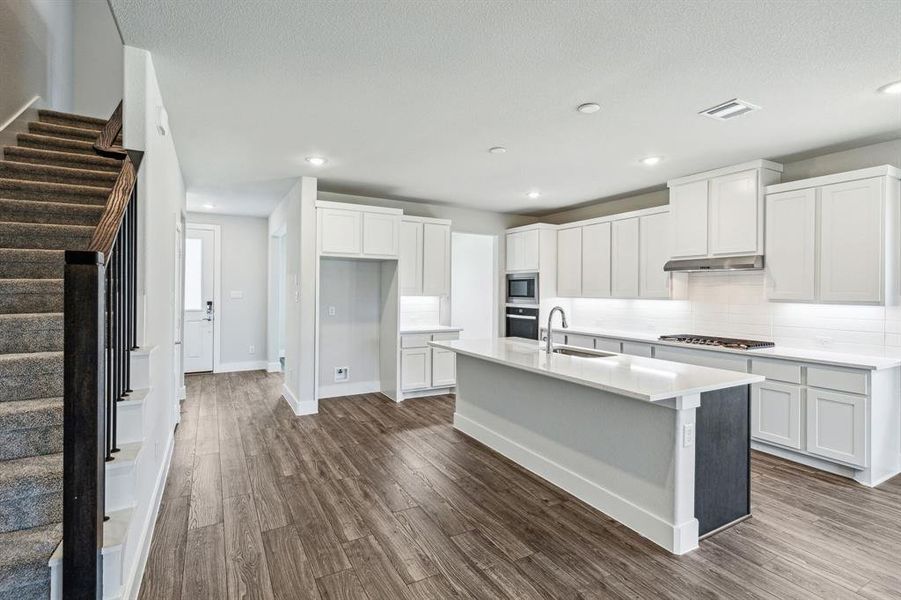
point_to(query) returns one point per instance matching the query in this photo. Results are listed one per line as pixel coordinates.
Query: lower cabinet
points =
(776, 413)
(423, 367)
(416, 368)
(836, 426)
(444, 368)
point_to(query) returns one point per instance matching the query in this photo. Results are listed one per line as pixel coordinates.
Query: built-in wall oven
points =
(522, 322)
(522, 288)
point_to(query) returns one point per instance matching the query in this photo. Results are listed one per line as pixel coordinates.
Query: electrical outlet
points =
(688, 435)
(331, 311)
(824, 341)
(252, 350)
(342, 373)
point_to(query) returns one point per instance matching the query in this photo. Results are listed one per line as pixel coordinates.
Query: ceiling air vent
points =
(729, 109)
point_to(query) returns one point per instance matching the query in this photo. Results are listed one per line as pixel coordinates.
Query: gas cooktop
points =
(707, 340)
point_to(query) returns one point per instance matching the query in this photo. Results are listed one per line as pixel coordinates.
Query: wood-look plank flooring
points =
(375, 500)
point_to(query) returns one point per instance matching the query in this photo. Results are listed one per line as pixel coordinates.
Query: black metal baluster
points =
(126, 313)
(134, 269)
(114, 266)
(107, 375)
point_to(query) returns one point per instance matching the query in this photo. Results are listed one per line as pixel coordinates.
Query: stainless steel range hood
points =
(700, 265)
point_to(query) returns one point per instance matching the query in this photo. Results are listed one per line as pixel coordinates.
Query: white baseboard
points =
(274, 367)
(678, 539)
(309, 407)
(131, 584)
(182, 393)
(234, 367)
(335, 390)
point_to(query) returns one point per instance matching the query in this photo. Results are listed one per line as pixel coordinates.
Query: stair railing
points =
(99, 326)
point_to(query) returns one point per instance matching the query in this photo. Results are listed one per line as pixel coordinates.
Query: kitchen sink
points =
(582, 353)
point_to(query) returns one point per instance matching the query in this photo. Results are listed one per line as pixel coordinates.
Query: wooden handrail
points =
(107, 138)
(105, 234)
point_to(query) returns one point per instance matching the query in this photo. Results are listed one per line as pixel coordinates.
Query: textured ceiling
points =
(405, 97)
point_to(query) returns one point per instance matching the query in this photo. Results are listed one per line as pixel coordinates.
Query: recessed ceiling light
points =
(891, 88)
(534, 194)
(588, 108)
(651, 160)
(209, 205)
(729, 109)
(316, 161)
(497, 150)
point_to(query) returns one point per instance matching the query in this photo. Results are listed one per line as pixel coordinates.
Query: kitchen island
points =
(660, 446)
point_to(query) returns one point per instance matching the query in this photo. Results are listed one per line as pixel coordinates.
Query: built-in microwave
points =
(522, 288)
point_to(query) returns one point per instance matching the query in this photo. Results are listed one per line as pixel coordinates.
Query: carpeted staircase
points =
(53, 188)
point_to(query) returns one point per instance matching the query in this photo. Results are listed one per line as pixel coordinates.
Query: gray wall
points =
(97, 60)
(245, 250)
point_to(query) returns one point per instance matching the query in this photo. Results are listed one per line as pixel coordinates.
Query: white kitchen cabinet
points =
(523, 250)
(654, 252)
(435, 259)
(381, 235)
(410, 261)
(851, 241)
(595, 260)
(836, 426)
(688, 207)
(340, 232)
(624, 258)
(444, 368)
(416, 368)
(607, 345)
(580, 341)
(569, 262)
(776, 413)
(424, 257)
(734, 215)
(791, 245)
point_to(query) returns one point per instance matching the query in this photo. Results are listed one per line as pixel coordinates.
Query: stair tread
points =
(28, 414)
(77, 188)
(48, 226)
(25, 554)
(46, 112)
(75, 146)
(60, 171)
(65, 131)
(30, 476)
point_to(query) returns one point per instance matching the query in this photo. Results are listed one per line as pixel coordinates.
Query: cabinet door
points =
(581, 341)
(851, 234)
(531, 242)
(791, 245)
(444, 368)
(624, 279)
(339, 231)
(381, 234)
(654, 238)
(569, 262)
(435, 259)
(836, 426)
(410, 260)
(514, 251)
(637, 349)
(688, 207)
(596, 261)
(776, 413)
(416, 368)
(734, 212)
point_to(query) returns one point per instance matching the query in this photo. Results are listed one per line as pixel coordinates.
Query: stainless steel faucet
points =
(550, 332)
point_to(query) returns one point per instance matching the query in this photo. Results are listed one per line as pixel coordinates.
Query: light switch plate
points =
(688, 435)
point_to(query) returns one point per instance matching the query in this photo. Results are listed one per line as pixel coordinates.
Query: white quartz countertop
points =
(433, 329)
(823, 357)
(633, 376)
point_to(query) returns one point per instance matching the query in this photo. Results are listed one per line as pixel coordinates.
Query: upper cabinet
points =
(524, 250)
(424, 264)
(533, 249)
(620, 256)
(721, 213)
(356, 231)
(835, 238)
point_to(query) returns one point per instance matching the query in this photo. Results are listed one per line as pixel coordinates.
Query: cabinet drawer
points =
(846, 380)
(703, 359)
(777, 369)
(608, 345)
(582, 341)
(415, 341)
(637, 349)
(450, 335)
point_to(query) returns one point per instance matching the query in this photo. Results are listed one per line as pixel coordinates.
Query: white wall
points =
(735, 305)
(97, 58)
(36, 43)
(242, 321)
(161, 194)
(350, 337)
(473, 293)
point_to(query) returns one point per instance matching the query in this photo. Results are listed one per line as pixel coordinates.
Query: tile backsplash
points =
(419, 311)
(735, 304)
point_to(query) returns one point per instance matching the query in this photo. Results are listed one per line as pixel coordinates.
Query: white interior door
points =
(474, 285)
(199, 290)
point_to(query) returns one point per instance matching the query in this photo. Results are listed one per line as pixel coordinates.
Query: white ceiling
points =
(406, 97)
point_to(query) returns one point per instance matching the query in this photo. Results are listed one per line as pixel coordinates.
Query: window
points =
(193, 274)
